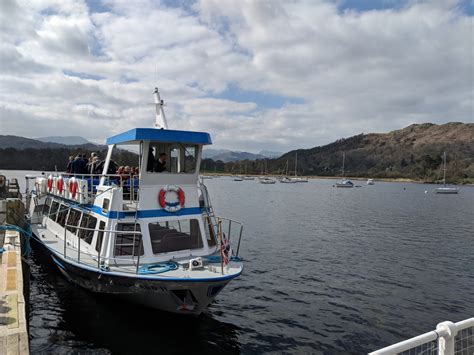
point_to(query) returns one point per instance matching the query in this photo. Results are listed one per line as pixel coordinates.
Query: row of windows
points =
(167, 236)
(72, 218)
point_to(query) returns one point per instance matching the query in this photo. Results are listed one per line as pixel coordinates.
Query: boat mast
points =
(160, 118)
(343, 163)
(296, 164)
(444, 170)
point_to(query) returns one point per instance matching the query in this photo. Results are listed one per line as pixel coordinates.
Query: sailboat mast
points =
(296, 164)
(343, 163)
(444, 170)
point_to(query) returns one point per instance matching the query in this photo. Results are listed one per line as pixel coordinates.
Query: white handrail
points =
(445, 333)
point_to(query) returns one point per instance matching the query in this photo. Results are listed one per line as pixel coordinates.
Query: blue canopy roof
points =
(160, 135)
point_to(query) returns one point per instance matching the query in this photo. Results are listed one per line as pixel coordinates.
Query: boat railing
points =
(448, 339)
(129, 183)
(101, 261)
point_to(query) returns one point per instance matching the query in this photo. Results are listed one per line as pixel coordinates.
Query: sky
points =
(275, 75)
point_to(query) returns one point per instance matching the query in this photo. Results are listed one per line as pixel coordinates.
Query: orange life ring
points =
(171, 206)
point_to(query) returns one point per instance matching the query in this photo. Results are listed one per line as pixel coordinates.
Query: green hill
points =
(413, 152)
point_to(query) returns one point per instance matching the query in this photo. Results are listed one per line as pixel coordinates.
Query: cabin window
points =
(86, 232)
(105, 205)
(54, 211)
(176, 235)
(128, 244)
(46, 206)
(62, 215)
(190, 158)
(100, 236)
(73, 220)
(181, 159)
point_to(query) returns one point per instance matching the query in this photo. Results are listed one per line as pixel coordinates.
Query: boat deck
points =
(208, 272)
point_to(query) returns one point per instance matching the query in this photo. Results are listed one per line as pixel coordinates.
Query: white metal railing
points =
(128, 182)
(448, 339)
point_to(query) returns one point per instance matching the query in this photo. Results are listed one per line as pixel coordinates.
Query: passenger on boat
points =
(69, 163)
(79, 165)
(160, 164)
(93, 164)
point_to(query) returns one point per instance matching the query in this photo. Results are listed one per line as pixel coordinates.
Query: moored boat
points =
(267, 181)
(150, 237)
(344, 183)
(447, 190)
(370, 182)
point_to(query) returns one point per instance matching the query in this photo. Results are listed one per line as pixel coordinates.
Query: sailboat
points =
(239, 177)
(286, 179)
(247, 177)
(445, 189)
(296, 178)
(265, 179)
(344, 182)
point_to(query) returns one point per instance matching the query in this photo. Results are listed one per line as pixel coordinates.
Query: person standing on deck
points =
(160, 164)
(79, 165)
(69, 164)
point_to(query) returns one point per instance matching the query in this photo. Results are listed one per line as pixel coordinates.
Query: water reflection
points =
(64, 316)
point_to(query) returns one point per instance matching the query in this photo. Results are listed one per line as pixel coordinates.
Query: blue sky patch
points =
(262, 99)
(83, 75)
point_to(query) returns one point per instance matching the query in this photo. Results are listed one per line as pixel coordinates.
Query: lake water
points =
(327, 271)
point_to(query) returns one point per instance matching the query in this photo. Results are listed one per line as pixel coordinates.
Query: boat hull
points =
(447, 190)
(175, 296)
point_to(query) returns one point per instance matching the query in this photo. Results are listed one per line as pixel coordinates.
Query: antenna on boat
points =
(160, 118)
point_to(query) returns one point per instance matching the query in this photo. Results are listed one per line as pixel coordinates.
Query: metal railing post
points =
(65, 237)
(78, 248)
(219, 231)
(447, 331)
(139, 252)
(240, 237)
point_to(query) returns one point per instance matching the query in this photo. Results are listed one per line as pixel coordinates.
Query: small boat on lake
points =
(370, 182)
(344, 183)
(267, 181)
(150, 237)
(293, 180)
(446, 189)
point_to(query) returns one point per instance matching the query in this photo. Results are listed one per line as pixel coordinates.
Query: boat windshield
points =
(172, 158)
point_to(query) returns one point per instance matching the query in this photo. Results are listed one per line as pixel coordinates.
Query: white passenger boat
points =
(370, 182)
(344, 183)
(446, 189)
(151, 238)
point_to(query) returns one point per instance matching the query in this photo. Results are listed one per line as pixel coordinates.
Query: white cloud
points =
(351, 71)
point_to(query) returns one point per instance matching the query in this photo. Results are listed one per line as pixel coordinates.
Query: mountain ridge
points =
(411, 152)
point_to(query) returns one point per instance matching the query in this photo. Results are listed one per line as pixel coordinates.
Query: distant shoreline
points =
(318, 177)
(399, 180)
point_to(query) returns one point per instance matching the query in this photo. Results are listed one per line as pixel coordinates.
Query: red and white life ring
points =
(50, 183)
(60, 185)
(171, 206)
(73, 187)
